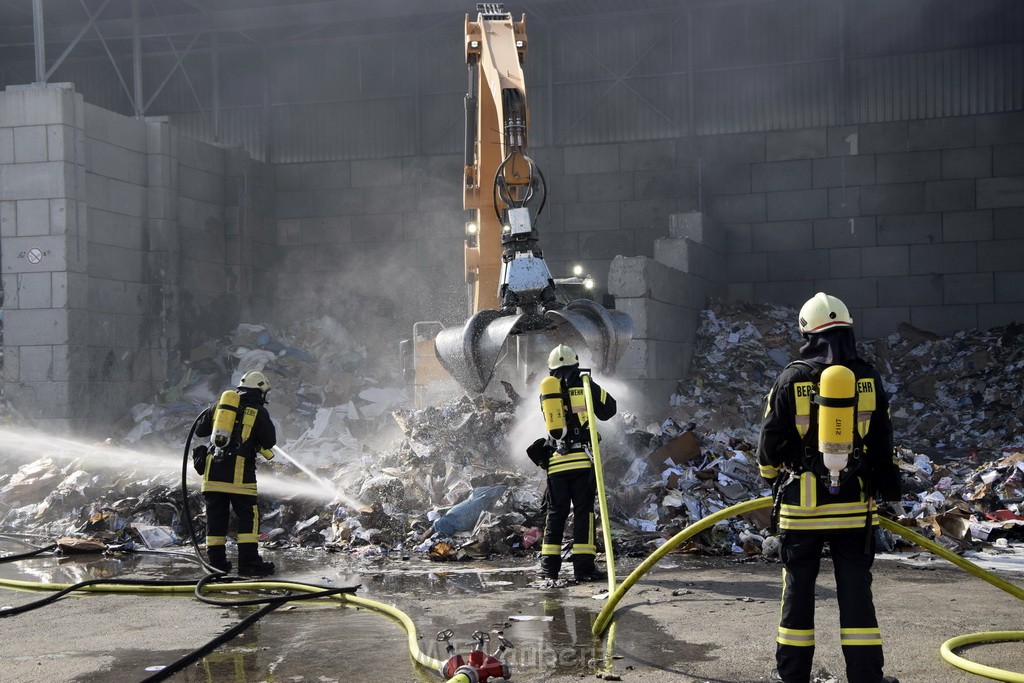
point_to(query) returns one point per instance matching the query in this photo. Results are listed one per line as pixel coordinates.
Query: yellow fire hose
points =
(947, 648)
(410, 628)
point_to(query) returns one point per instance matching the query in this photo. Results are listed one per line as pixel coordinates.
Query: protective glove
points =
(199, 454)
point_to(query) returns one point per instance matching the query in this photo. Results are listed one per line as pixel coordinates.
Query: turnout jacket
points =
(571, 453)
(788, 448)
(254, 434)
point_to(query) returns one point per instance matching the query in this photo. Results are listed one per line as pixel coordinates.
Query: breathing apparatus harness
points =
(829, 402)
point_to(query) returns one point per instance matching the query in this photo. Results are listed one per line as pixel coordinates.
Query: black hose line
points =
(54, 597)
(212, 645)
(274, 599)
(184, 501)
(30, 553)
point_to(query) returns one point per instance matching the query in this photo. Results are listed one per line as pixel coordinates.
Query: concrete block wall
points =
(376, 244)
(664, 296)
(115, 258)
(910, 221)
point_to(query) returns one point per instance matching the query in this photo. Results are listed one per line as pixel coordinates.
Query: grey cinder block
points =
(647, 155)
(658, 184)
(908, 167)
(724, 179)
(592, 216)
(605, 187)
(949, 195)
(913, 290)
(844, 263)
(781, 236)
(956, 257)
(843, 202)
(881, 138)
(994, 193)
(698, 227)
(964, 226)
(883, 321)
(39, 180)
(1008, 223)
(844, 171)
(920, 228)
(738, 238)
(738, 208)
(941, 133)
(968, 288)
(35, 327)
(375, 172)
(1000, 255)
(944, 320)
(895, 198)
(605, 244)
(999, 129)
(591, 159)
(1006, 287)
(33, 217)
(885, 261)
(780, 175)
(735, 148)
(802, 264)
(646, 214)
(797, 204)
(796, 144)
(843, 141)
(991, 315)
(975, 162)
(845, 232)
(1008, 160)
(747, 267)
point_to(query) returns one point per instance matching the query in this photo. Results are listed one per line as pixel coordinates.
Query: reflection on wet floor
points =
(550, 635)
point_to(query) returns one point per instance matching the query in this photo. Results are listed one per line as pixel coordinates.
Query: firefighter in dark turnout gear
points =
(571, 480)
(834, 501)
(240, 429)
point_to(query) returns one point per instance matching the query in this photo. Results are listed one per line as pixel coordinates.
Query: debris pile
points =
(446, 481)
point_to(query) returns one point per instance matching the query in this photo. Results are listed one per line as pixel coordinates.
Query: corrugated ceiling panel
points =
(949, 83)
(765, 33)
(628, 109)
(885, 27)
(442, 124)
(369, 129)
(766, 98)
(245, 126)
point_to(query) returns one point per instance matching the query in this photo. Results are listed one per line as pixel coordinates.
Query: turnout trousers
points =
(218, 507)
(576, 489)
(859, 634)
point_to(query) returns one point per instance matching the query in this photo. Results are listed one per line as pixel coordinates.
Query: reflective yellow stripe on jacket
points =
(810, 516)
(565, 462)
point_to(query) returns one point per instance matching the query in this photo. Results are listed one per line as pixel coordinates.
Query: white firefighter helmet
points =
(562, 356)
(823, 312)
(254, 379)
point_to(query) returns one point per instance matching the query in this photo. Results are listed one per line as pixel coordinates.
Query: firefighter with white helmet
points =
(826, 448)
(571, 482)
(240, 428)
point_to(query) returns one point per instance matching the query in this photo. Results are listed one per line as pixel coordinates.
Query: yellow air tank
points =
(224, 418)
(551, 406)
(836, 401)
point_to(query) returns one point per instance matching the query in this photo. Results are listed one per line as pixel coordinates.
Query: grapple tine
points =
(604, 333)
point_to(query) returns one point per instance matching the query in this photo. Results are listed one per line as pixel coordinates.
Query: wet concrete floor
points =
(690, 619)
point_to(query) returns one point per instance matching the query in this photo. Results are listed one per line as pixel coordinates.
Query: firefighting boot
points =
(218, 558)
(550, 565)
(584, 569)
(250, 563)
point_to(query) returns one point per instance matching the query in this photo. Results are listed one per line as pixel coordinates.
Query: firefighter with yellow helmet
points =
(240, 428)
(571, 482)
(826, 448)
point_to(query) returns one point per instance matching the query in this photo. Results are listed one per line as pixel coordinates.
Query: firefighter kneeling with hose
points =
(826, 447)
(239, 427)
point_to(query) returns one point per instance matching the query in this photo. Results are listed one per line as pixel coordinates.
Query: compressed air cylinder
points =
(552, 407)
(224, 417)
(836, 419)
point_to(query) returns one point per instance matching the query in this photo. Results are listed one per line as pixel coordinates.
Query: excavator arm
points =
(511, 294)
